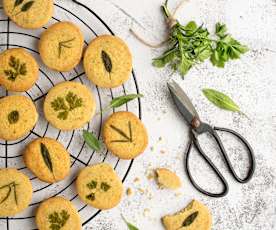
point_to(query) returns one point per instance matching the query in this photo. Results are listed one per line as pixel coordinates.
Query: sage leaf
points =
(107, 61)
(46, 157)
(190, 219)
(121, 100)
(27, 6)
(91, 140)
(221, 100)
(13, 117)
(17, 3)
(129, 225)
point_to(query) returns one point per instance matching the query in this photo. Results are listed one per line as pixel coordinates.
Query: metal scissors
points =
(197, 127)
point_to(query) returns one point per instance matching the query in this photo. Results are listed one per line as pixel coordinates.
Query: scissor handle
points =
(225, 190)
(252, 163)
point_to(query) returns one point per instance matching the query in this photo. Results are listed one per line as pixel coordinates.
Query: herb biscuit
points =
(15, 192)
(61, 46)
(18, 70)
(69, 105)
(194, 217)
(57, 213)
(29, 14)
(47, 159)
(107, 61)
(125, 135)
(99, 186)
(18, 116)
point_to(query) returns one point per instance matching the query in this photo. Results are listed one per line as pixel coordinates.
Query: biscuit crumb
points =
(136, 179)
(129, 192)
(150, 176)
(142, 191)
(167, 179)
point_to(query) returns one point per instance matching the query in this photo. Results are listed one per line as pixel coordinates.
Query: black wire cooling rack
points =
(12, 36)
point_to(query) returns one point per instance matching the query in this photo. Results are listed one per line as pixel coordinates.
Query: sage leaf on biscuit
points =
(91, 140)
(190, 219)
(27, 6)
(107, 61)
(46, 156)
(129, 225)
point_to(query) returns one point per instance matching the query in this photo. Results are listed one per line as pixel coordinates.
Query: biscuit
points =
(15, 192)
(167, 179)
(47, 159)
(107, 61)
(69, 105)
(29, 14)
(57, 213)
(194, 217)
(99, 186)
(18, 116)
(125, 135)
(61, 46)
(18, 70)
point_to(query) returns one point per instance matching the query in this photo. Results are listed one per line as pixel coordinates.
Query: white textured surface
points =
(251, 82)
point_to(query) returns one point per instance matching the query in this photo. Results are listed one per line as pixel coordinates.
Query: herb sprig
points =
(125, 137)
(191, 44)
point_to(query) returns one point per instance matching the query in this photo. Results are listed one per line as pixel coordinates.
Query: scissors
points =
(197, 127)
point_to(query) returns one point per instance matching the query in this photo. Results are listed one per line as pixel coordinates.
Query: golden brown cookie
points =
(69, 105)
(18, 70)
(57, 213)
(29, 14)
(15, 192)
(47, 159)
(125, 135)
(194, 217)
(167, 179)
(18, 116)
(107, 61)
(99, 186)
(61, 46)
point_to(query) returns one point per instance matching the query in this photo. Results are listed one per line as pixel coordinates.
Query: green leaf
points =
(91, 140)
(220, 29)
(190, 219)
(107, 61)
(119, 101)
(221, 100)
(13, 117)
(129, 225)
(27, 6)
(46, 157)
(17, 3)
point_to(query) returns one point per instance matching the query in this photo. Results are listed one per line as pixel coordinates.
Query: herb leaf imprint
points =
(126, 138)
(107, 61)
(190, 219)
(17, 69)
(13, 117)
(64, 44)
(58, 220)
(11, 187)
(46, 157)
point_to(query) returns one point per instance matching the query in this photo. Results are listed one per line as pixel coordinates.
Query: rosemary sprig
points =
(64, 44)
(126, 138)
(11, 186)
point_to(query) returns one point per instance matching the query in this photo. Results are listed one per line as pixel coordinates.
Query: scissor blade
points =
(182, 101)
